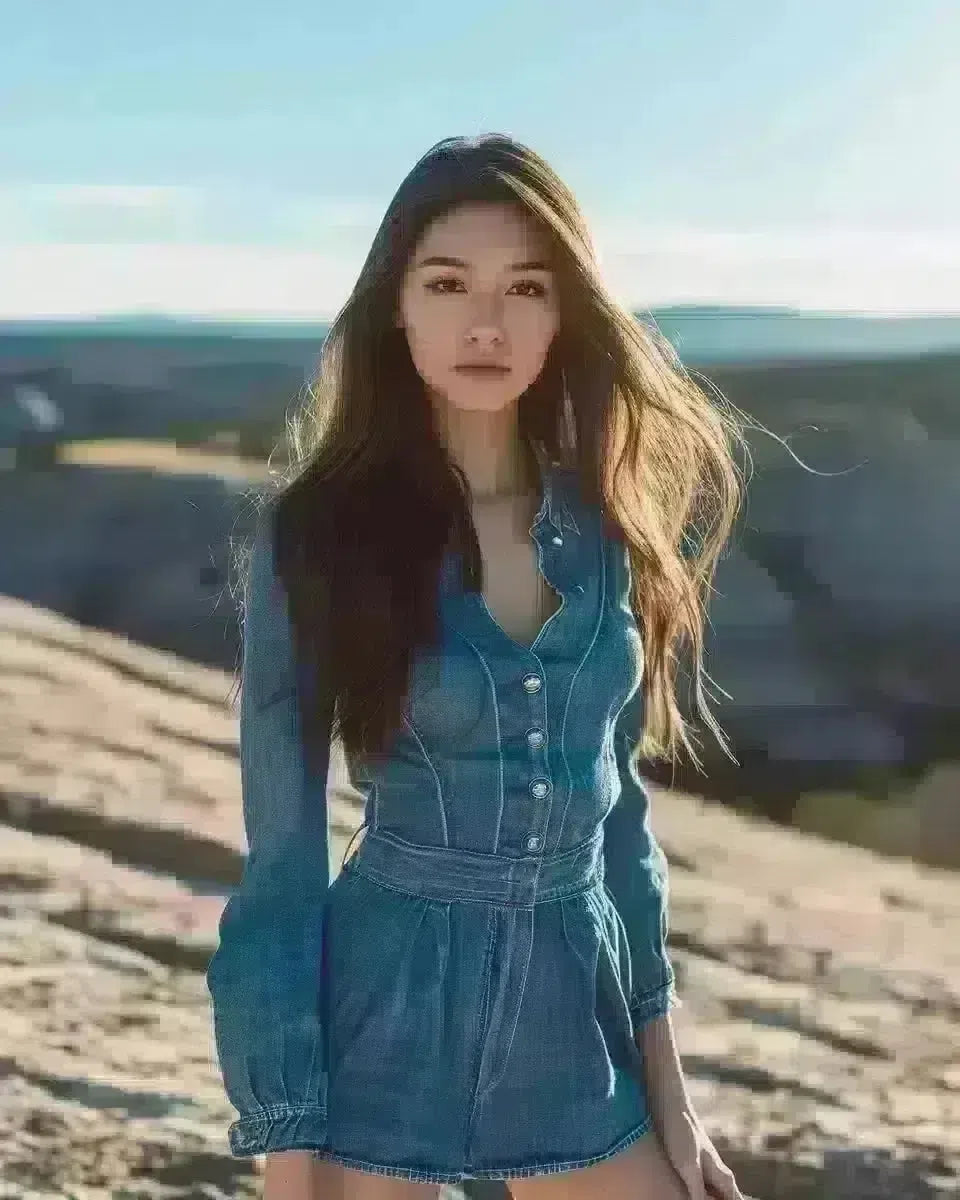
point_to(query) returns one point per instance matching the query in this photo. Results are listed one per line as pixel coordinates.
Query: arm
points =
(265, 977)
(635, 871)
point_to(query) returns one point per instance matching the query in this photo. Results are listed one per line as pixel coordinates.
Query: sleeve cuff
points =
(654, 1004)
(281, 1127)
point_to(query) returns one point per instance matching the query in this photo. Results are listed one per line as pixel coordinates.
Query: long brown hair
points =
(371, 498)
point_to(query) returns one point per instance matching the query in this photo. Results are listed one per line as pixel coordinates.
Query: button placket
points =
(539, 787)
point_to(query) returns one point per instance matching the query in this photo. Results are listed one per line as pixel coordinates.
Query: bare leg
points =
(640, 1172)
(367, 1185)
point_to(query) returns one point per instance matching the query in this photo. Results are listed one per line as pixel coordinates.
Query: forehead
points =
(487, 228)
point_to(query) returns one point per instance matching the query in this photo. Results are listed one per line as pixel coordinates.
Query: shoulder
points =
(264, 590)
(573, 498)
(262, 546)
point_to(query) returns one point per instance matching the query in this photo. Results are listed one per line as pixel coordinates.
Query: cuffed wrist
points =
(654, 1004)
(281, 1127)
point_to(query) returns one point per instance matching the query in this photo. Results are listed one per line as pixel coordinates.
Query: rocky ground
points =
(821, 983)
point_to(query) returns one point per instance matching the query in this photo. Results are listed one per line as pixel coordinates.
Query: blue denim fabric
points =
(462, 1001)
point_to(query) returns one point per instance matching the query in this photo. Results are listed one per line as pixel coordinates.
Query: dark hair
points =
(372, 499)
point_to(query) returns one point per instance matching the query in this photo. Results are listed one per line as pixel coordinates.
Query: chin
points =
(488, 397)
(489, 404)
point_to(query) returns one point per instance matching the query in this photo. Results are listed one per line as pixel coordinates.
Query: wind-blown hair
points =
(372, 499)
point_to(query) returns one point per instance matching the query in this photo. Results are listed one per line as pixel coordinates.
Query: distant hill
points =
(705, 334)
(702, 334)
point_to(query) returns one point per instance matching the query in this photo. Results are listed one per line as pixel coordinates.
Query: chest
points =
(515, 591)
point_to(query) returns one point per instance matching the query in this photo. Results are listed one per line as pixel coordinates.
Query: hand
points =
(685, 1142)
(694, 1157)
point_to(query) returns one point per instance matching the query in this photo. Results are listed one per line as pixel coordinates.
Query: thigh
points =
(640, 1172)
(347, 1183)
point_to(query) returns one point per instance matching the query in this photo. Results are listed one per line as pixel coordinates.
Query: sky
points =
(230, 159)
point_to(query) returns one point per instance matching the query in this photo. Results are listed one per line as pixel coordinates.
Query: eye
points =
(436, 286)
(539, 290)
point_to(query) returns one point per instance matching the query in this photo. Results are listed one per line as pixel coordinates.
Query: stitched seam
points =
(270, 1112)
(496, 717)
(573, 681)
(644, 1000)
(482, 1039)
(436, 777)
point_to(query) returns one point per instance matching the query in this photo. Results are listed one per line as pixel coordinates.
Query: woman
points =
(498, 479)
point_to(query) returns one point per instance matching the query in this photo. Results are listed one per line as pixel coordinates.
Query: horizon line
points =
(215, 317)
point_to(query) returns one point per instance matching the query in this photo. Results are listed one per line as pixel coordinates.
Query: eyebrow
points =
(442, 260)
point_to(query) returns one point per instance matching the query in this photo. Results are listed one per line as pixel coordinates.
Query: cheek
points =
(430, 323)
(532, 338)
(429, 349)
(432, 358)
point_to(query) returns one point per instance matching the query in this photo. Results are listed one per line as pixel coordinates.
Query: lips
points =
(482, 369)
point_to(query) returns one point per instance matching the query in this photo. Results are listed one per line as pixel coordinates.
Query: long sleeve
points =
(635, 872)
(264, 979)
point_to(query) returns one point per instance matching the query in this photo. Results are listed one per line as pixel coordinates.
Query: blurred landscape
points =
(820, 978)
(131, 446)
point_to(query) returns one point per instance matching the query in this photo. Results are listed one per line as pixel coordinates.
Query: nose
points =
(485, 321)
(485, 332)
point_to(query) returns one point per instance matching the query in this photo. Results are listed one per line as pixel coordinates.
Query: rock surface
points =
(835, 625)
(820, 983)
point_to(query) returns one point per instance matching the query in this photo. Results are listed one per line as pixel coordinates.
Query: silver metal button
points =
(533, 842)
(532, 683)
(536, 738)
(558, 541)
(540, 788)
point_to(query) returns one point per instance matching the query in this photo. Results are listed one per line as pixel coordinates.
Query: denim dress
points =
(462, 1001)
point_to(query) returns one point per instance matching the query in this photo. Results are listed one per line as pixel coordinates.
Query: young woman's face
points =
(493, 304)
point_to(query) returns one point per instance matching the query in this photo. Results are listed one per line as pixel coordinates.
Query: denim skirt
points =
(476, 1020)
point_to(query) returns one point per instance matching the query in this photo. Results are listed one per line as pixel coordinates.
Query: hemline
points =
(418, 1175)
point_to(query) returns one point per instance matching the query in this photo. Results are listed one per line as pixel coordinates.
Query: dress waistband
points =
(446, 873)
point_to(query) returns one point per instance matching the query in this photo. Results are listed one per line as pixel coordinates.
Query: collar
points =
(557, 504)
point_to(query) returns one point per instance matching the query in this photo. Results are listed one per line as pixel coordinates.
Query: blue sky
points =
(235, 158)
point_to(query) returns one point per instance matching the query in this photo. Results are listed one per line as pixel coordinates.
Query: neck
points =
(487, 448)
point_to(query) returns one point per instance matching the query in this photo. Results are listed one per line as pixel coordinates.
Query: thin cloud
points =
(87, 213)
(309, 274)
(81, 212)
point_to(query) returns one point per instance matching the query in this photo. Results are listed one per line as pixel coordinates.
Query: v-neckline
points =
(546, 522)
(537, 505)
(524, 649)
(539, 521)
